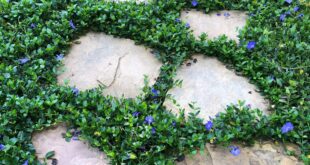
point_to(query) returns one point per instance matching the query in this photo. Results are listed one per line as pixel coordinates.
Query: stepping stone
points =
(215, 23)
(267, 153)
(116, 63)
(212, 86)
(75, 152)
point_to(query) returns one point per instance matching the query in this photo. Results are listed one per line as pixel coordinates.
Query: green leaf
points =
(49, 155)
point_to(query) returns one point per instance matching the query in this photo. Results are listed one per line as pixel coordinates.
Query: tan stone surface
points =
(117, 63)
(215, 25)
(66, 153)
(212, 86)
(260, 154)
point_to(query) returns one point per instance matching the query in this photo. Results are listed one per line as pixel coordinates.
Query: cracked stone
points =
(116, 63)
(212, 87)
(215, 23)
(75, 152)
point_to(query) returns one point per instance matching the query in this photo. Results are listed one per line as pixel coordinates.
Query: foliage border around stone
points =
(34, 36)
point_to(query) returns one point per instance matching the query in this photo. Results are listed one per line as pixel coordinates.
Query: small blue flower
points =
(288, 13)
(251, 45)
(149, 119)
(75, 91)
(288, 1)
(174, 123)
(218, 14)
(296, 8)
(226, 14)
(194, 3)
(2, 147)
(59, 57)
(208, 125)
(33, 25)
(178, 20)
(72, 24)
(300, 15)
(252, 15)
(287, 127)
(75, 138)
(155, 92)
(153, 131)
(234, 150)
(25, 163)
(282, 17)
(23, 60)
(136, 114)
(187, 25)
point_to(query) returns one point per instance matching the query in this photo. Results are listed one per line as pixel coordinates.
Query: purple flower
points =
(75, 91)
(2, 147)
(249, 106)
(136, 114)
(149, 119)
(23, 60)
(178, 20)
(174, 123)
(75, 138)
(218, 14)
(194, 3)
(33, 25)
(251, 45)
(282, 17)
(155, 92)
(59, 57)
(76, 135)
(187, 25)
(25, 163)
(226, 14)
(72, 24)
(300, 15)
(208, 125)
(153, 131)
(296, 8)
(287, 127)
(288, 1)
(252, 14)
(234, 150)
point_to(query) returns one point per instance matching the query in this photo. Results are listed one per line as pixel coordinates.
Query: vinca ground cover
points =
(273, 53)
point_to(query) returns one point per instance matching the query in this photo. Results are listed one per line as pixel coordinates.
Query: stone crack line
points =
(115, 74)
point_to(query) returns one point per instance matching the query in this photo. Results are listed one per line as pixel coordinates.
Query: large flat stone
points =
(266, 153)
(117, 63)
(66, 153)
(215, 23)
(212, 86)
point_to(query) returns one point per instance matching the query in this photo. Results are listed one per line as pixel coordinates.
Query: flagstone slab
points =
(209, 84)
(266, 153)
(116, 63)
(225, 22)
(75, 152)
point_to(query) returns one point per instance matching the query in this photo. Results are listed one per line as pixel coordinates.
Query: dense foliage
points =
(34, 33)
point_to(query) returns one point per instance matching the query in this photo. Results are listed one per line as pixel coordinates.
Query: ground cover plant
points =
(35, 35)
